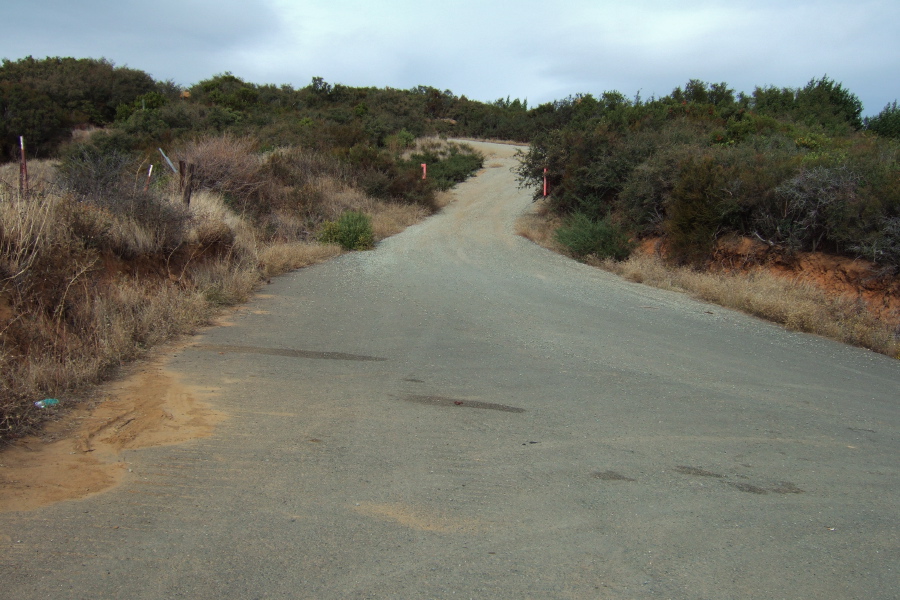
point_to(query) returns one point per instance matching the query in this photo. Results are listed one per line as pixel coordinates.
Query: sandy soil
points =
(82, 453)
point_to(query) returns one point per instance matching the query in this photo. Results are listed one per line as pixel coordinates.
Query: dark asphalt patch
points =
(746, 487)
(786, 487)
(289, 352)
(458, 403)
(696, 471)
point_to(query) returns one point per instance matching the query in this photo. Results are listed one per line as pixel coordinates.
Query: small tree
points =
(887, 122)
(826, 102)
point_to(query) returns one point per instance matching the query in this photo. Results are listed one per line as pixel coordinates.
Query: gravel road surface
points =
(462, 414)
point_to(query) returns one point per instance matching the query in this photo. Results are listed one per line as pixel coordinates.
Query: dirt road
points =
(461, 414)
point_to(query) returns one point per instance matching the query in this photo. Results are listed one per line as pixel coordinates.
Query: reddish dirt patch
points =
(80, 455)
(837, 275)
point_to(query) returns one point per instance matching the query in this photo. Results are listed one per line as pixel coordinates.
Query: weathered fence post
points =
(187, 180)
(182, 171)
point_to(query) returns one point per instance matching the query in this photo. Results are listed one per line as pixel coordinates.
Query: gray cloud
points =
(485, 50)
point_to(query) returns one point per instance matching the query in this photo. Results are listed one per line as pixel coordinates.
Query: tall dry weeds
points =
(41, 176)
(539, 225)
(227, 165)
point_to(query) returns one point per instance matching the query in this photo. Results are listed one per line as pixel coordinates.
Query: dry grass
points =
(796, 305)
(390, 218)
(539, 225)
(41, 176)
(27, 230)
(227, 164)
(281, 257)
(224, 281)
(436, 145)
(106, 324)
(443, 199)
(338, 197)
(491, 141)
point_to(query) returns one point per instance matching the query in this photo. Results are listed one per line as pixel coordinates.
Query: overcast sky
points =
(484, 49)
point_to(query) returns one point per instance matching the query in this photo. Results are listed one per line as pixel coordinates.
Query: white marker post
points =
(149, 174)
(23, 169)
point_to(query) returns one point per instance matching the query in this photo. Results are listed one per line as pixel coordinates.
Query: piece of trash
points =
(457, 402)
(526, 443)
(46, 402)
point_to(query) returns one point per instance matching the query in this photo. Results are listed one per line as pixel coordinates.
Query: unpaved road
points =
(461, 414)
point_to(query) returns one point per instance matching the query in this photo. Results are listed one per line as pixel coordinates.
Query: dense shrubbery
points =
(352, 231)
(447, 164)
(43, 100)
(583, 236)
(790, 167)
(887, 122)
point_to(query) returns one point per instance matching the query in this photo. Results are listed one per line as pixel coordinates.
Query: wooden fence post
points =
(186, 173)
(188, 186)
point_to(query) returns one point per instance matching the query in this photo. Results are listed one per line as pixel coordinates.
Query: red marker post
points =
(424, 170)
(545, 182)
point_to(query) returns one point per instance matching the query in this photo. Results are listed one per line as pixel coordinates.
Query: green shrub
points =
(449, 166)
(583, 236)
(98, 167)
(887, 122)
(32, 114)
(648, 190)
(353, 231)
(828, 103)
(698, 210)
(822, 103)
(405, 138)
